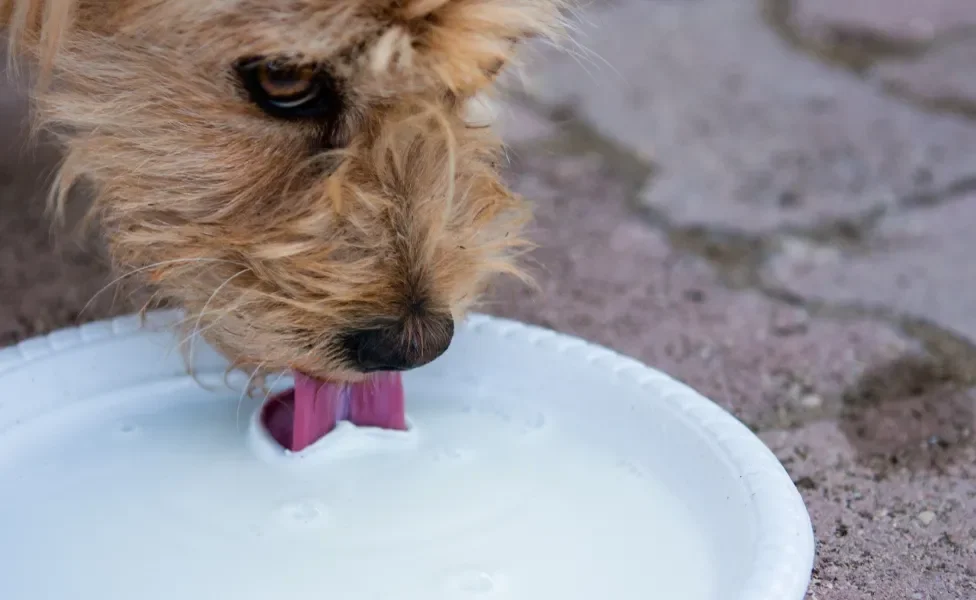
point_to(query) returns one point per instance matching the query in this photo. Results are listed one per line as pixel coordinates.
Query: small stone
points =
(789, 198)
(790, 321)
(926, 517)
(812, 401)
(971, 568)
(806, 483)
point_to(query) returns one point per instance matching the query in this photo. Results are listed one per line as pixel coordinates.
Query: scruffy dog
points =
(297, 175)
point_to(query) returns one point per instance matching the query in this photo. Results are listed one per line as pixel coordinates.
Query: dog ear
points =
(466, 43)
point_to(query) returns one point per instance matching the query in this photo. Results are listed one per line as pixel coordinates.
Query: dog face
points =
(297, 176)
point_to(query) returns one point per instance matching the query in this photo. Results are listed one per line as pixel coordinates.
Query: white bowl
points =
(537, 467)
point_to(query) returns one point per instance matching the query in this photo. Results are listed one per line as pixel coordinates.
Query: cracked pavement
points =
(767, 200)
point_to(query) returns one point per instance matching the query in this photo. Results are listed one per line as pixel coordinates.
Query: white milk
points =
(167, 491)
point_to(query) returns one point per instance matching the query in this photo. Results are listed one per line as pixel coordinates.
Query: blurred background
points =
(772, 200)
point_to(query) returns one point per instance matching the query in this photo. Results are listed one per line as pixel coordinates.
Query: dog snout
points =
(400, 346)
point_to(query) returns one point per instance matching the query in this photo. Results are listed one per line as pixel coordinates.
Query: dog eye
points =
(288, 91)
(286, 86)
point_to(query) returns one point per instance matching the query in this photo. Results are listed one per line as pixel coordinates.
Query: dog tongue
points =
(301, 416)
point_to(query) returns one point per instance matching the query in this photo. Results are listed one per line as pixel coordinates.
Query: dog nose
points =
(399, 346)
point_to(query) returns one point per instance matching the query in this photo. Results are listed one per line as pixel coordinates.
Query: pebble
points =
(812, 401)
(790, 321)
(926, 517)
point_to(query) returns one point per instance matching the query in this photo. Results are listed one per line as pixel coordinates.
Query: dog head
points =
(298, 176)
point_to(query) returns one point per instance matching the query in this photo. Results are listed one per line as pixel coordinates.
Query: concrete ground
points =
(769, 199)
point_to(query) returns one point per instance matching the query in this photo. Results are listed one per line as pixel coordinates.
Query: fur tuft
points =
(39, 26)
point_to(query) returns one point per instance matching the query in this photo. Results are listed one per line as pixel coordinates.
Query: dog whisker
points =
(194, 333)
(244, 392)
(143, 269)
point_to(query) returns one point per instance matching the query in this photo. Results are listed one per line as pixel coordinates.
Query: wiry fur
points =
(274, 246)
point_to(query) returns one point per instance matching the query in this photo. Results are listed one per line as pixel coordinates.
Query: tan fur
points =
(275, 248)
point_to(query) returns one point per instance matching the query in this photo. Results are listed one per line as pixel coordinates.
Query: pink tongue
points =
(301, 416)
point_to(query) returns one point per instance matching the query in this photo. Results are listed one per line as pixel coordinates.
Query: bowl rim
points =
(785, 545)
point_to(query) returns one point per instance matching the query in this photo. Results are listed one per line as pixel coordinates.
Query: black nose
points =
(399, 346)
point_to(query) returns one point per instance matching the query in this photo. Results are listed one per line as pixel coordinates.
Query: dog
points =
(299, 177)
